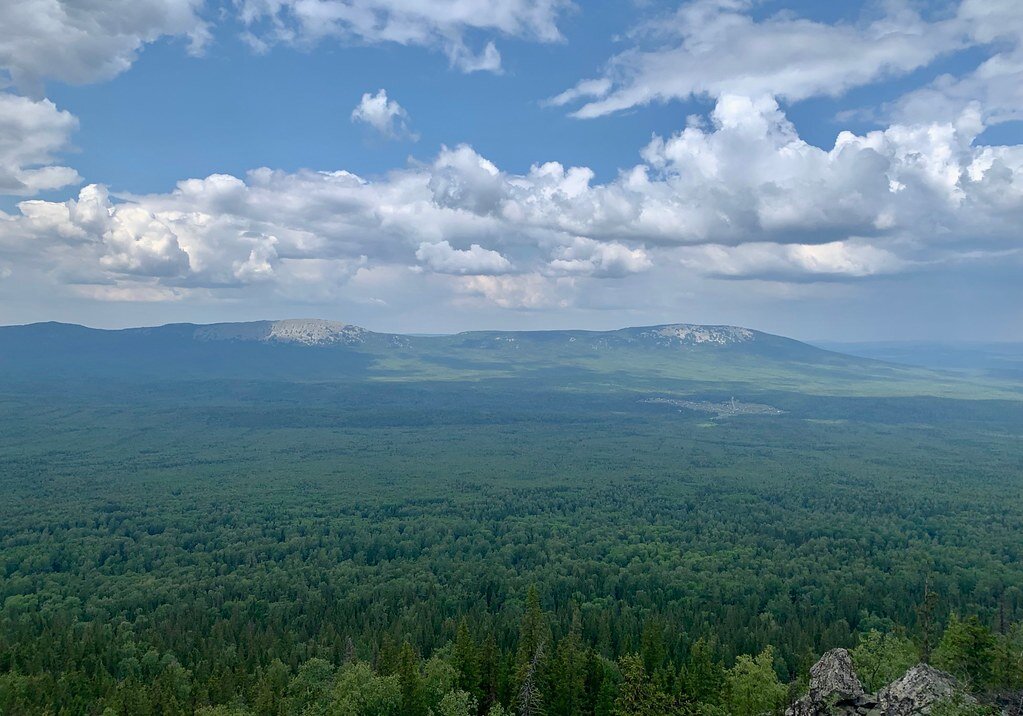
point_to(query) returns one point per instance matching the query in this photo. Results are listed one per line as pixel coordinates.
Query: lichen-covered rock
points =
(836, 691)
(834, 688)
(834, 676)
(917, 691)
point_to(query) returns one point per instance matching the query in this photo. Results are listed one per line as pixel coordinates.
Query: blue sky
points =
(188, 160)
(232, 109)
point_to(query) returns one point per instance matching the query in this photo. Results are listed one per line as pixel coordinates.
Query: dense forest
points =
(485, 548)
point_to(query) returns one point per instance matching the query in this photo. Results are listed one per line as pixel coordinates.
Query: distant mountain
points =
(317, 332)
(321, 333)
(997, 360)
(647, 357)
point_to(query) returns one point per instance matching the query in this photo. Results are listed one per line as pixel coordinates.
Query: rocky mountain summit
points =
(303, 331)
(835, 690)
(689, 334)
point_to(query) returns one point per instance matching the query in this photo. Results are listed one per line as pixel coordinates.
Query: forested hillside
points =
(370, 546)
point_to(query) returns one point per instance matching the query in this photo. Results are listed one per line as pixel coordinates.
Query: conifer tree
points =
(530, 655)
(925, 617)
(489, 667)
(413, 699)
(530, 697)
(702, 674)
(637, 693)
(465, 659)
(387, 656)
(271, 685)
(652, 645)
(569, 672)
(532, 630)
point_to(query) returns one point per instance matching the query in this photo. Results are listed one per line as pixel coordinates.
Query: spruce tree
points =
(465, 659)
(530, 655)
(489, 671)
(637, 694)
(569, 672)
(413, 698)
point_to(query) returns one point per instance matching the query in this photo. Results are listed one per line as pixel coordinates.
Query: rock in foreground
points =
(918, 688)
(835, 690)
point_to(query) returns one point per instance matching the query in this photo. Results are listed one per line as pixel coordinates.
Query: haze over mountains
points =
(997, 360)
(323, 333)
(319, 350)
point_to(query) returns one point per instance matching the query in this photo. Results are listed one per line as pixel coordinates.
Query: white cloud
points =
(742, 198)
(475, 260)
(93, 240)
(714, 47)
(32, 133)
(440, 24)
(592, 258)
(80, 41)
(259, 266)
(792, 261)
(384, 115)
(995, 86)
(529, 291)
(74, 41)
(137, 242)
(486, 60)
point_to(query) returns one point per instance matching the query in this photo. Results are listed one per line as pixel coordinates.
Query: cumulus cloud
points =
(384, 115)
(96, 240)
(593, 258)
(742, 198)
(32, 133)
(439, 24)
(78, 41)
(139, 243)
(475, 260)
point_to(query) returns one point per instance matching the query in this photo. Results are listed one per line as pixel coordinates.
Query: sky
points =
(828, 171)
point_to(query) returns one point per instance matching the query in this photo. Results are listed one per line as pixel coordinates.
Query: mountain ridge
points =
(665, 357)
(317, 331)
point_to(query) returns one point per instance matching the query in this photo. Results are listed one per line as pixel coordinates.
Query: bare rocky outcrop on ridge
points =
(687, 334)
(310, 332)
(836, 691)
(316, 332)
